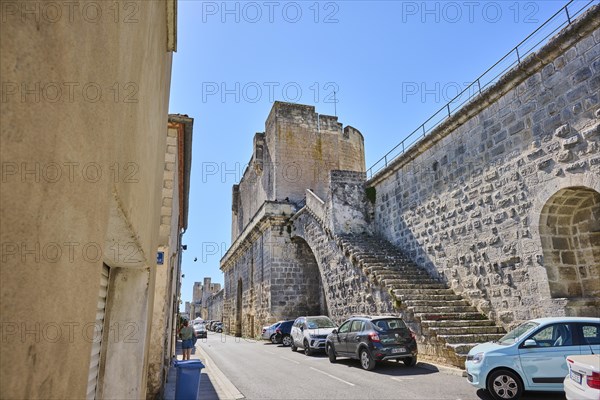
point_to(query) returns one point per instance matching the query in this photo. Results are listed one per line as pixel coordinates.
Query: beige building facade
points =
(173, 223)
(83, 116)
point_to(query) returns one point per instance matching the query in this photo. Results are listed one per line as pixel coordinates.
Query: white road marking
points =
(266, 351)
(400, 379)
(334, 377)
(289, 359)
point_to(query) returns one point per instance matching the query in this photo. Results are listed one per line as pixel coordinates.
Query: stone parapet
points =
(532, 64)
(268, 212)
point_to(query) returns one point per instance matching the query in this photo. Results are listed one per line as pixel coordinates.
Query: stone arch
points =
(312, 298)
(312, 236)
(543, 195)
(569, 230)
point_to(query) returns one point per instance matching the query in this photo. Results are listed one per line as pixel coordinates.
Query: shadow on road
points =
(390, 368)
(484, 395)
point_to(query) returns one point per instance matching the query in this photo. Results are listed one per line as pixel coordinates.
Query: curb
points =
(223, 386)
(443, 368)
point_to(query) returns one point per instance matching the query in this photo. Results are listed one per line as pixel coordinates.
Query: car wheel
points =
(366, 361)
(410, 361)
(504, 385)
(331, 353)
(273, 339)
(287, 341)
(307, 349)
(293, 346)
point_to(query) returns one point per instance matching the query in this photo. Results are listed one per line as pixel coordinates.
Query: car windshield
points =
(322, 322)
(389, 324)
(512, 336)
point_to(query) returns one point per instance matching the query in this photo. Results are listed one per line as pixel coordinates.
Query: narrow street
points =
(261, 370)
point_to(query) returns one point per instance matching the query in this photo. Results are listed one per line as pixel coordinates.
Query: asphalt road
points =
(261, 370)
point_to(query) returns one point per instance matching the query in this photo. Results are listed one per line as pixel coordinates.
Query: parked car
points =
(213, 324)
(283, 333)
(268, 332)
(219, 327)
(200, 330)
(532, 356)
(373, 339)
(310, 333)
(583, 381)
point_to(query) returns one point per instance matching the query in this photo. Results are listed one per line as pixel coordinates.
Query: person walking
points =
(187, 336)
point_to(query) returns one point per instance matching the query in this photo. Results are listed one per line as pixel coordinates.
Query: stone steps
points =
(458, 323)
(446, 316)
(433, 297)
(436, 303)
(471, 330)
(400, 276)
(401, 284)
(470, 338)
(440, 309)
(407, 292)
(462, 348)
(449, 325)
(392, 280)
(403, 272)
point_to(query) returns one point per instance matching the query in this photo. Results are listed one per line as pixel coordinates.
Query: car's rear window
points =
(388, 324)
(315, 323)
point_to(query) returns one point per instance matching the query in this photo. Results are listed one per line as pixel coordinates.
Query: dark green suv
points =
(372, 339)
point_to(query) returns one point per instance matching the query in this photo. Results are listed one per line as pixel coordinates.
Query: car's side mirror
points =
(530, 343)
(334, 331)
(302, 328)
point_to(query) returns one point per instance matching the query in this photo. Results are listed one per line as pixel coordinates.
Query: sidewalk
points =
(207, 389)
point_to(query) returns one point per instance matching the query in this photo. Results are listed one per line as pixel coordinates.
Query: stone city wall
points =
(502, 200)
(215, 306)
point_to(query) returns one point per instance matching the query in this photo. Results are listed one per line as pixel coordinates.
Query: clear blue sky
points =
(393, 64)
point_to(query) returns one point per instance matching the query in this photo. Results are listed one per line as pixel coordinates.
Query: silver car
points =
(268, 332)
(310, 333)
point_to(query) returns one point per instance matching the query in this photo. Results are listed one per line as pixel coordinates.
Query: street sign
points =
(160, 258)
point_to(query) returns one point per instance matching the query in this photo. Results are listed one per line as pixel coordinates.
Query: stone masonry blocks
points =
(469, 208)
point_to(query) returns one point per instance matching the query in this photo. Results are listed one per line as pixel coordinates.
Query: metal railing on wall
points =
(531, 43)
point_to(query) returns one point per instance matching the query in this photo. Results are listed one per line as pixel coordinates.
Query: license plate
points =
(575, 377)
(399, 350)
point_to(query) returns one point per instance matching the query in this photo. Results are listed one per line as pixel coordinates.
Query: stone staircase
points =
(447, 325)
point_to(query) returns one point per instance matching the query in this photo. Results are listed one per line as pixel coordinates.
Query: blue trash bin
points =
(188, 379)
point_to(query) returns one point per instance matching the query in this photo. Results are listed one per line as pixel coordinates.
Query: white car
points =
(583, 381)
(268, 332)
(310, 333)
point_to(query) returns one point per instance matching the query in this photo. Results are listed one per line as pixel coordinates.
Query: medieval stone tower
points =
(296, 152)
(269, 276)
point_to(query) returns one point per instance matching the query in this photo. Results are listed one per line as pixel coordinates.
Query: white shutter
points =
(98, 328)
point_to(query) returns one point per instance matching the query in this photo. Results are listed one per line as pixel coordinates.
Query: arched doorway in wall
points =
(238, 309)
(570, 237)
(311, 294)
